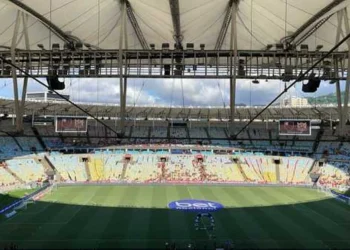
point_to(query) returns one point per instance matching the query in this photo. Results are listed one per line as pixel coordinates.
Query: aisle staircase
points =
(317, 140)
(14, 175)
(125, 167)
(208, 135)
(270, 136)
(278, 175)
(149, 133)
(18, 144)
(38, 137)
(87, 169)
(188, 133)
(49, 169)
(241, 170)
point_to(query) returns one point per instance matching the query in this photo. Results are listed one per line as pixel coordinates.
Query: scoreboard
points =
(295, 127)
(70, 124)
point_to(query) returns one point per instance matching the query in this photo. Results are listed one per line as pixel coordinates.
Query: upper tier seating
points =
(27, 143)
(8, 147)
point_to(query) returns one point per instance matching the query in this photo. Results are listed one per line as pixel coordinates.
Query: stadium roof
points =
(98, 22)
(214, 113)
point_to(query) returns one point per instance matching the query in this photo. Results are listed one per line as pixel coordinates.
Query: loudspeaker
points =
(167, 70)
(54, 83)
(312, 85)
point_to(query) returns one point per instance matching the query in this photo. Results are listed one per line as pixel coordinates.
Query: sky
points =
(170, 92)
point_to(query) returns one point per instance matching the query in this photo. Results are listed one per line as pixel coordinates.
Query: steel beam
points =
(55, 29)
(234, 64)
(27, 65)
(136, 26)
(149, 63)
(312, 20)
(14, 71)
(224, 26)
(347, 83)
(122, 81)
(175, 16)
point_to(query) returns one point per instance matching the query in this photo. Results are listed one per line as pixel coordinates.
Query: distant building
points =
(45, 96)
(295, 102)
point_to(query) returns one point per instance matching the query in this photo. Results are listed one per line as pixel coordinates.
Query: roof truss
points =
(293, 38)
(175, 15)
(135, 25)
(55, 29)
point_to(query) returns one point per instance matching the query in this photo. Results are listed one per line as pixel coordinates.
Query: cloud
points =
(166, 92)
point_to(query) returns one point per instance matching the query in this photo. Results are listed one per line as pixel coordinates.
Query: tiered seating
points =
(69, 167)
(221, 168)
(251, 169)
(140, 131)
(112, 165)
(334, 175)
(180, 168)
(143, 168)
(198, 133)
(6, 179)
(159, 132)
(96, 169)
(27, 169)
(27, 143)
(295, 169)
(8, 147)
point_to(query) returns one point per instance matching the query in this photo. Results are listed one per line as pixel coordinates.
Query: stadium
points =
(174, 124)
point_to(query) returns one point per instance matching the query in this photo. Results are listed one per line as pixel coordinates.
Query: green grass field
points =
(138, 217)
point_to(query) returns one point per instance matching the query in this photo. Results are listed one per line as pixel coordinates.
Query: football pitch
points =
(134, 217)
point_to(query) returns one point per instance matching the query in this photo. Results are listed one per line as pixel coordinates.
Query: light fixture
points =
(40, 46)
(152, 46)
(202, 46)
(55, 47)
(189, 46)
(304, 48)
(279, 47)
(319, 47)
(269, 46)
(165, 46)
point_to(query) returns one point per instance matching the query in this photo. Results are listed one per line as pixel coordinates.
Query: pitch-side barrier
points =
(9, 210)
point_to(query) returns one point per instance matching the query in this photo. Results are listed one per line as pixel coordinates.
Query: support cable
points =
(62, 96)
(299, 78)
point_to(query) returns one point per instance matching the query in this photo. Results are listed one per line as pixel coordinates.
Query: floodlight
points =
(279, 47)
(40, 46)
(165, 46)
(269, 46)
(304, 48)
(319, 47)
(152, 46)
(78, 46)
(202, 46)
(189, 46)
(55, 47)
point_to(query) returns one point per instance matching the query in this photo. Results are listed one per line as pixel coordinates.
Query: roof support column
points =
(19, 124)
(122, 81)
(234, 62)
(337, 84)
(347, 84)
(27, 65)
